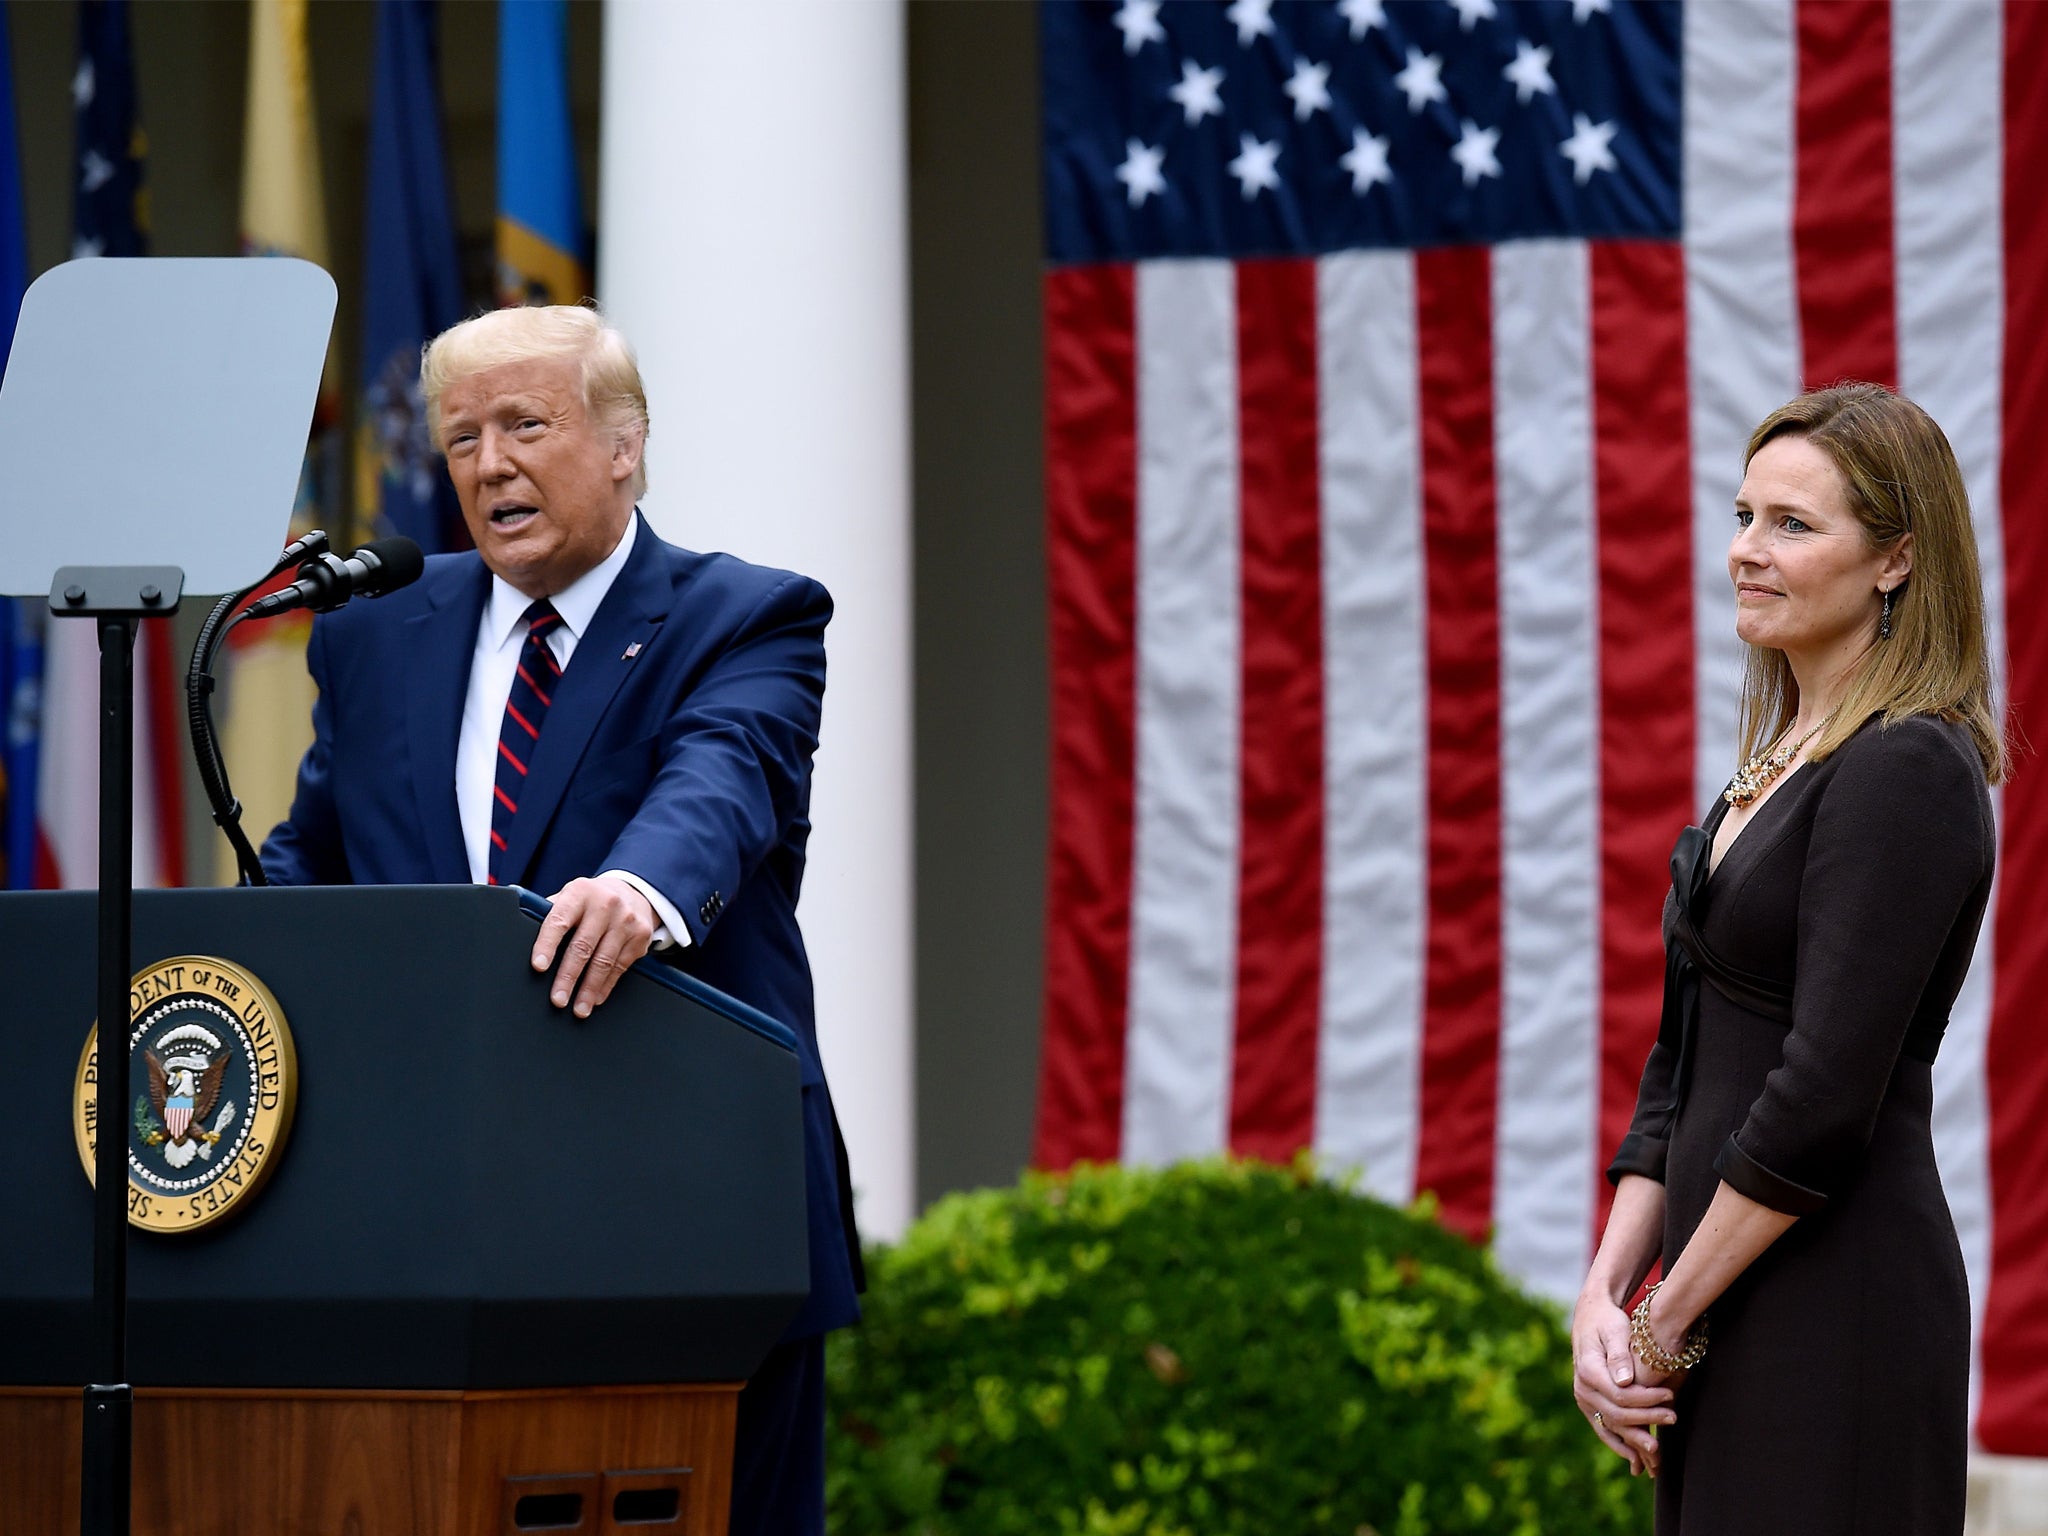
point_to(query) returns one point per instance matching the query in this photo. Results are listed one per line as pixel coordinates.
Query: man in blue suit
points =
(584, 710)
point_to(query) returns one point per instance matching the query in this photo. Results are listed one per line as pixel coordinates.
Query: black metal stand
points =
(117, 597)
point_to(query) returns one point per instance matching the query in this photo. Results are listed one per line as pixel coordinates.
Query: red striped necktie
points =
(526, 711)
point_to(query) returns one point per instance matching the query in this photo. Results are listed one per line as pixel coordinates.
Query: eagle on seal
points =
(185, 1099)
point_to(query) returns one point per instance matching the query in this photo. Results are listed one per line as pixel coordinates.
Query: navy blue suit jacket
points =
(687, 762)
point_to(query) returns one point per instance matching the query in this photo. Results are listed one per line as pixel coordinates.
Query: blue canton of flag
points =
(1304, 127)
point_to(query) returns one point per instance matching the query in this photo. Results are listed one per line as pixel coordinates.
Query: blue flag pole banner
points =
(412, 288)
(21, 636)
(541, 242)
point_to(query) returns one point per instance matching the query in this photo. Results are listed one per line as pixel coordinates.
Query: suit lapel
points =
(626, 621)
(438, 647)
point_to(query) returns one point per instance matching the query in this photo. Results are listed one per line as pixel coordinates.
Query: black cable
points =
(199, 687)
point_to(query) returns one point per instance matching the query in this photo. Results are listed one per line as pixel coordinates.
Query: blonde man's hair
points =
(612, 391)
(1901, 477)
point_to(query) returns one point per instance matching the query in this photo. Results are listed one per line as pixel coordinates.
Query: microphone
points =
(328, 581)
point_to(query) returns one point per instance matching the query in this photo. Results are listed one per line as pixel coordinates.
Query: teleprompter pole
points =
(114, 597)
(104, 1467)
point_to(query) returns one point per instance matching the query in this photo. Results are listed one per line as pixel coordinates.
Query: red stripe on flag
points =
(1462, 974)
(1842, 218)
(2013, 1416)
(1641, 438)
(1091, 424)
(166, 749)
(1280, 880)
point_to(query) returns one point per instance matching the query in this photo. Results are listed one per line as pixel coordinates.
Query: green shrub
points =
(1209, 1349)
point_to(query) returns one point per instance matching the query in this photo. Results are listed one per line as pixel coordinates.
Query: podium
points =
(508, 1271)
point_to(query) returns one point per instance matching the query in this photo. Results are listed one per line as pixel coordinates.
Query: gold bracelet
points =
(1653, 1354)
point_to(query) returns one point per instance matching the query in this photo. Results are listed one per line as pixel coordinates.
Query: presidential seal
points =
(215, 1080)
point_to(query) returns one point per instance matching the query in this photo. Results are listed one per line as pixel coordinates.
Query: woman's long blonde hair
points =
(1902, 478)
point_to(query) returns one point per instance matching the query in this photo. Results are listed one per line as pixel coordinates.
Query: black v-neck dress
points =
(1833, 1399)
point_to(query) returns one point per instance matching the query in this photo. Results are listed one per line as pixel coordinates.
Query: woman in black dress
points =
(1804, 1366)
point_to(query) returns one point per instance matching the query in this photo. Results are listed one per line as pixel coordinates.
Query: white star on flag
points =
(1472, 12)
(1363, 15)
(1200, 92)
(1366, 161)
(1582, 10)
(1252, 18)
(82, 84)
(1138, 20)
(1256, 165)
(95, 171)
(1140, 172)
(1309, 89)
(1474, 152)
(1423, 80)
(1530, 73)
(1587, 148)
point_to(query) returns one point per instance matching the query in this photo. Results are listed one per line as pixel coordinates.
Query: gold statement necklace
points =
(1755, 776)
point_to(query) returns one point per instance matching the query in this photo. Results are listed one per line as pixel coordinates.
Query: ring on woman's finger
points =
(1599, 1420)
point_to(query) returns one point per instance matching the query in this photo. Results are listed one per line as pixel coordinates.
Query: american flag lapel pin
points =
(631, 651)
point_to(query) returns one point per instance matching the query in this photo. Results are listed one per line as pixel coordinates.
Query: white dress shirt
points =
(499, 638)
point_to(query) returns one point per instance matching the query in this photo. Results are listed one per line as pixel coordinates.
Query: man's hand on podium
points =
(607, 924)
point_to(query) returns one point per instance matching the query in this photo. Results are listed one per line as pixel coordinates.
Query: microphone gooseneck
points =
(199, 686)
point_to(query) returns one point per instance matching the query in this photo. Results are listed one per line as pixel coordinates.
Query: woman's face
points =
(1806, 579)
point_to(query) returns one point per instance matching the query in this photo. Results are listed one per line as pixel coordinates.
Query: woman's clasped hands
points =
(1622, 1398)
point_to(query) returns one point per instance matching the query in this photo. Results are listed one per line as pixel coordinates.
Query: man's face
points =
(544, 489)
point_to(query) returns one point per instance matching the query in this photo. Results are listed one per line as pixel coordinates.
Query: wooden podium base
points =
(595, 1461)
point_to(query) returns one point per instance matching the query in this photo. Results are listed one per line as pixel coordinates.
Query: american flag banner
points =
(1400, 359)
(109, 218)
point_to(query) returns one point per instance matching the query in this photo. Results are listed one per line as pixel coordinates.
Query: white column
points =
(751, 243)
